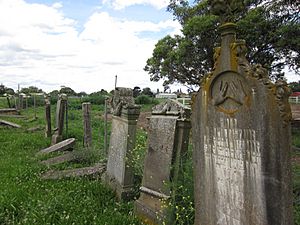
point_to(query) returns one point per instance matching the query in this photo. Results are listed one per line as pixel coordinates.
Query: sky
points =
(82, 44)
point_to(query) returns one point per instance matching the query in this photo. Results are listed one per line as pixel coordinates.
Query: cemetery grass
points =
(27, 199)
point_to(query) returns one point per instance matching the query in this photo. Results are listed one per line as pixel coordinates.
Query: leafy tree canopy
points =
(6, 90)
(295, 86)
(30, 89)
(271, 30)
(68, 91)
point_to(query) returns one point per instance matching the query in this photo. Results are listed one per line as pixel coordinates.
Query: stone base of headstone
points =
(151, 207)
(122, 192)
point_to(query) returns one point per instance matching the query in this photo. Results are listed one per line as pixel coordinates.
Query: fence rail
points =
(295, 100)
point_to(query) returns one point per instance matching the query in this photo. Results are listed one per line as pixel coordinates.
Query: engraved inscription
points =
(232, 153)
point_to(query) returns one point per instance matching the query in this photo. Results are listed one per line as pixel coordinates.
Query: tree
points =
(271, 30)
(68, 91)
(147, 91)
(295, 86)
(30, 89)
(6, 90)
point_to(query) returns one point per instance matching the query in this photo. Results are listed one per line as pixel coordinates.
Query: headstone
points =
(8, 101)
(87, 129)
(9, 124)
(21, 101)
(9, 111)
(48, 130)
(59, 147)
(168, 140)
(94, 171)
(119, 173)
(60, 115)
(241, 139)
(67, 157)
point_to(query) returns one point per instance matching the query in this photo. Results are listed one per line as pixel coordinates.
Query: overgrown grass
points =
(27, 199)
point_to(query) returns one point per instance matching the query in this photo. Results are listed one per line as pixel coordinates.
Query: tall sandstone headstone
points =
(241, 139)
(169, 128)
(60, 116)
(119, 173)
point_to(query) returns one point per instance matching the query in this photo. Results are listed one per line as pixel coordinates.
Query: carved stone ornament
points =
(172, 107)
(123, 98)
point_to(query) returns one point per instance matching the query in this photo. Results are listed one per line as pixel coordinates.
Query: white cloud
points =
(40, 46)
(121, 4)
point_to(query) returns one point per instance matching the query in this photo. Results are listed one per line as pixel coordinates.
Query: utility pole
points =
(116, 79)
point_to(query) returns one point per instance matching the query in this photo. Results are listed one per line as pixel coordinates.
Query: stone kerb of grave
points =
(168, 140)
(119, 172)
(241, 139)
(61, 146)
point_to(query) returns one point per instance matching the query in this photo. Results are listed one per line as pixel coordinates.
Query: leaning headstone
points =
(9, 111)
(92, 171)
(241, 139)
(119, 173)
(87, 129)
(67, 157)
(48, 130)
(60, 115)
(59, 147)
(168, 140)
(9, 124)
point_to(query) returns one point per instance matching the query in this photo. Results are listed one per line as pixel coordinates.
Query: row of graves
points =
(240, 125)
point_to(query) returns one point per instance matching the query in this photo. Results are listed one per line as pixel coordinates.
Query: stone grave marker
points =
(9, 124)
(87, 129)
(60, 115)
(21, 101)
(119, 173)
(61, 146)
(48, 130)
(241, 139)
(168, 140)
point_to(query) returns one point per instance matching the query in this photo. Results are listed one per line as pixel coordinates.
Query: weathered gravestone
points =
(60, 114)
(21, 101)
(119, 173)
(241, 138)
(65, 145)
(168, 140)
(48, 130)
(87, 129)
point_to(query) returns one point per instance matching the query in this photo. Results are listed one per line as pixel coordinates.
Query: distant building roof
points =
(295, 94)
(166, 95)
